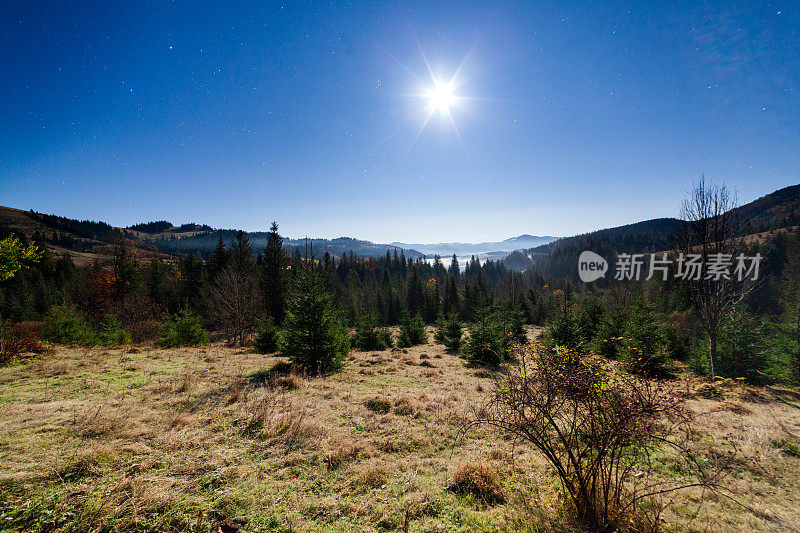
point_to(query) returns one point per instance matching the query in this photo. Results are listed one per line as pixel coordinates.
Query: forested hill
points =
(88, 239)
(780, 209)
(559, 258)
(205, 242)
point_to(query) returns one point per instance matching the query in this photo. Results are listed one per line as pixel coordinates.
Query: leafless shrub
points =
(598, 428)
(141, 317)
(232, 303)
(19, 338)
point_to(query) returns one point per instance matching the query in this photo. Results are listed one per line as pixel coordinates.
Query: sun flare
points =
(441, 97)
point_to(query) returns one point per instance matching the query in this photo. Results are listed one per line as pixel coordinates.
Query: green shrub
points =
(643, 347)
(610, 331)
(512, 321)
(183, 329)
(370, 337)
(63, 325)
(412, 331)
(677, 340)
(385, 337)
(783, 340)
(266, 339)
(742, 351)
(488, 343)
(698, 361)
(113, 334)
(563, 330)
(449, 331)
(589, 317)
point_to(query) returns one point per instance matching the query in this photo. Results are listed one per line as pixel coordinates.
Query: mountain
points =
(777, 210)
(780, 209)
(492, 249)
(206, 241)
(86, 240)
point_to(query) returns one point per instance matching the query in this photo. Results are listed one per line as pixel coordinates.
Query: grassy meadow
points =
(222, 439)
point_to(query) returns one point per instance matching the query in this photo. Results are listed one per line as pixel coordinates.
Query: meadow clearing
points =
(221, 439)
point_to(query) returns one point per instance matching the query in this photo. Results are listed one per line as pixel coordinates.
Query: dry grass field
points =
(215, 438)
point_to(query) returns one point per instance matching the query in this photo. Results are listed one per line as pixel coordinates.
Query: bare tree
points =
(232, 303)
(711, 231)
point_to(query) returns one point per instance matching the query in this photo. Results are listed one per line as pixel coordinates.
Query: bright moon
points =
(441, 97)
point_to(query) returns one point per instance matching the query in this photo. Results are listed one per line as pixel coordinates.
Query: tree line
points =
(241, 296)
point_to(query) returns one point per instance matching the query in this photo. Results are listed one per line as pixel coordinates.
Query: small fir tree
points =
(412, 331)
(449, 331)
(314, 337)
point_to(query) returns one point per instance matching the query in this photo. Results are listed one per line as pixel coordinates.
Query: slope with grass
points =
(186, 439)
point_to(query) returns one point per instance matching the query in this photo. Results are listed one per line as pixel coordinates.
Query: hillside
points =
(132, 439)
(778, 210)
(89, 239)
(206, 241)
(85, 239)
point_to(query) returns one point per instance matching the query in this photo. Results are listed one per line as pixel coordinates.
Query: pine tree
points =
(160, 289)
(242, 257)
(218, 259)
(415, 294)
(449, 331)
(314, 337)
(451, 298)
(439, 272)
(125, 270)
(272, 276)
(432, 301)
(454, 269)
(412, 331)
(487, 343)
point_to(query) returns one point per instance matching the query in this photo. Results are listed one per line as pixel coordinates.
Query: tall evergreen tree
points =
(439, 272)
(451, 299)
(218, 259)
(432, 301)
(415, 294)
(242, 256)
(272, 277)
(125, 270)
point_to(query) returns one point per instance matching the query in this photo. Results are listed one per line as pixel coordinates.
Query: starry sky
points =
(566, 117)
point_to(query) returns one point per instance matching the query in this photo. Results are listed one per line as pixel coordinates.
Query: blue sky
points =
(569, 118)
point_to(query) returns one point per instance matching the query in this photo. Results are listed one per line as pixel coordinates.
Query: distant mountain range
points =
(492, 248)
(86, 239)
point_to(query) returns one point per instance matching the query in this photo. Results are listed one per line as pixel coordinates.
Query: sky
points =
(553, 118)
